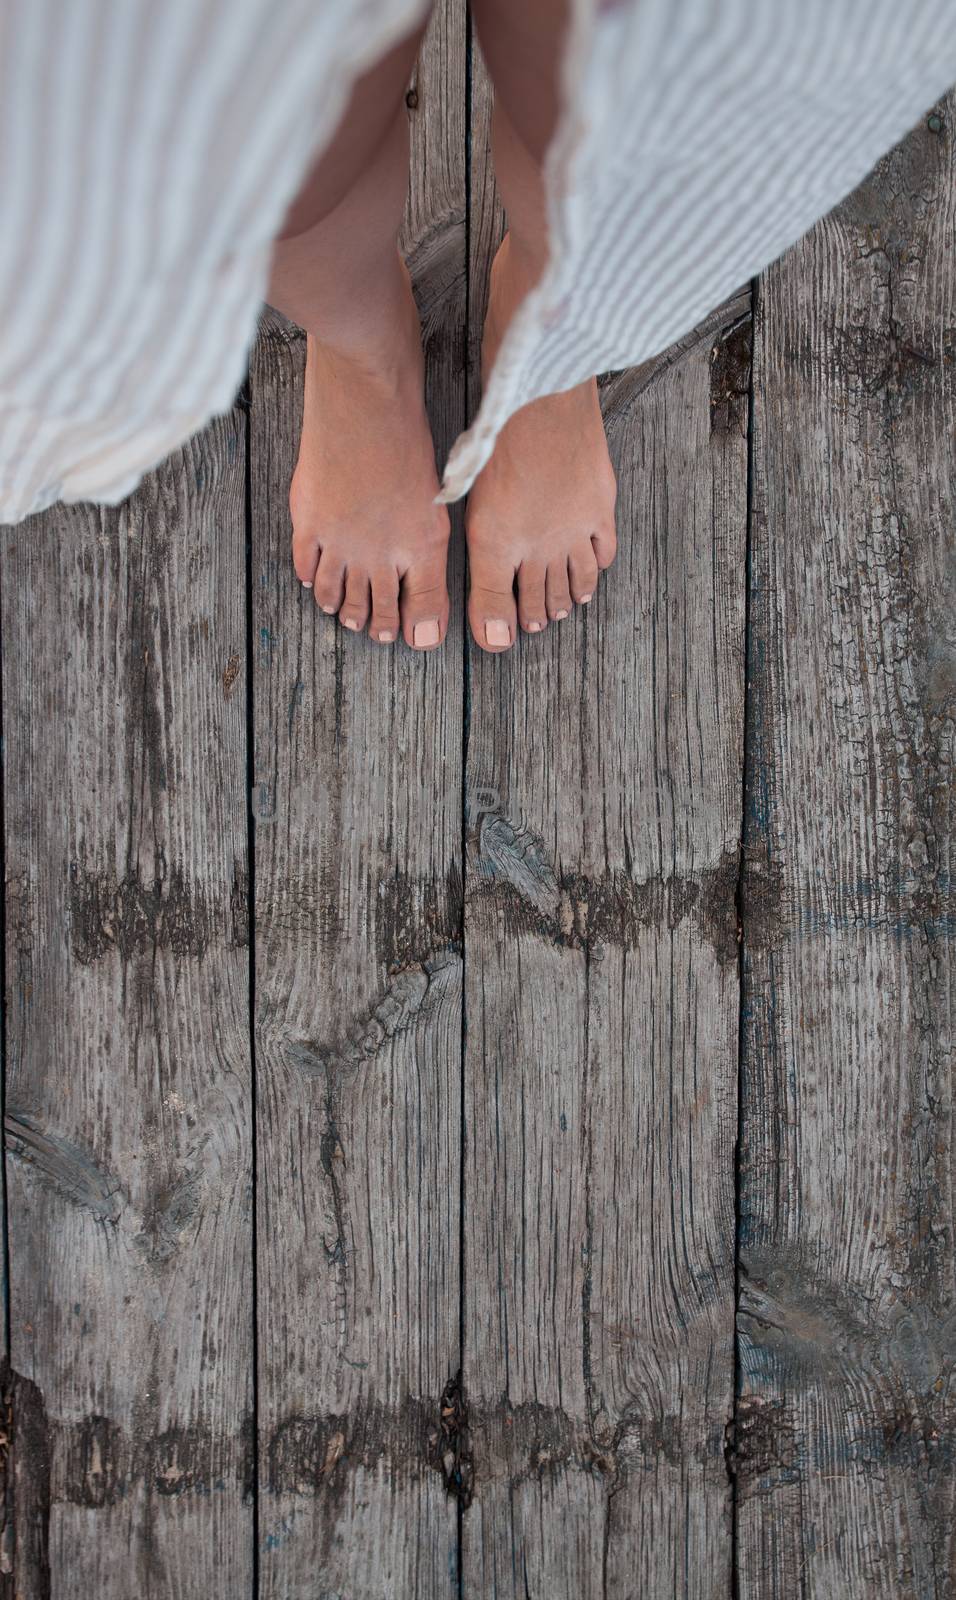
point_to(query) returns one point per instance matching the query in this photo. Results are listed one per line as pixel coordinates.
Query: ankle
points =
(515, 270)
(524, 258)
(378, 336)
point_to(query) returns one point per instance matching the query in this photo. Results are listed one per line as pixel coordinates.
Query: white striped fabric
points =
(148, 154)
(703, 138)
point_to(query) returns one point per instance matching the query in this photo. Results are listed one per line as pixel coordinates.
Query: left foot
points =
(540, 516)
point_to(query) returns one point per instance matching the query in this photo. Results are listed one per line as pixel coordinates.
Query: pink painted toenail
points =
(559, 616)
(351, 624)
(386, 638)
(329, 611)
(306, 584)
(425, 634)
(534, 627)
(584, 599)
(497, 632)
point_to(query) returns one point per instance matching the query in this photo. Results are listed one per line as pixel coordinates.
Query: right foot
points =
(540, 517)
(367, 537)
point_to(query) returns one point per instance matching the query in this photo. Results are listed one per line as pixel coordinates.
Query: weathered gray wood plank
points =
(604, 796)
(357, 801)
(128, 1109)
(847, 1428)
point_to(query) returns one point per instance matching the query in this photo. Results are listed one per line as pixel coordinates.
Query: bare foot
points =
(367, 537)
(540, 517)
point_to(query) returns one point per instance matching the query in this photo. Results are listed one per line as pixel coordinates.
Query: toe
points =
(384, 623)
(557, 592)
(604, 545)
(329, 583)
(355, 607)
(305, 559)
(583, 571)
(424, 603)
(532, 610)
(491, 605)
(305, 549)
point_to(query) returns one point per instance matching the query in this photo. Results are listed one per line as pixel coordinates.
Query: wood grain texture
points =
(847, 1427)
(357, 803)
(603, 778)
(128, 1108)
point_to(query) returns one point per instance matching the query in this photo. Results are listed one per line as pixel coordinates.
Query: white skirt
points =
(149, 152)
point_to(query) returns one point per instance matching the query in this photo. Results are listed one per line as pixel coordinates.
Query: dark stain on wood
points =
(881, 361)
(413, 918)
(133, 916)
(25, 1476)
(575, 912)
(309, 1455)
(762, 908)
(529, 1442)
(7, 1497)
(96, 1474)
(98, 1463)
(449, 1443)
(730, 363)
(760, 1445)
(230, 674)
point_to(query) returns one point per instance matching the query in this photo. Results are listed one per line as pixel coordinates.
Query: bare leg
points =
(541, 515)
(367, 536)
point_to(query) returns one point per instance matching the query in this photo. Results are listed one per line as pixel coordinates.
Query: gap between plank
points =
(465, 732)
(253, 1458)
(7, 1509)
(741, 950)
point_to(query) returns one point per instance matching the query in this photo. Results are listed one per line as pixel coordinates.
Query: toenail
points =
(425, 634)
(306, 584)
(584, 599)
(559, 616)
(350, 623)
(534, 627)
(329, 611)
(497, 632)
(386, 638)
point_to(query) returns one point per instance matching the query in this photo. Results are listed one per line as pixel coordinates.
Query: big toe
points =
(492, 613)
(582, 570)
(424, 602)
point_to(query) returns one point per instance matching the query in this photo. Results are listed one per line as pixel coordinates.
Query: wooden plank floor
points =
(483, 1127)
